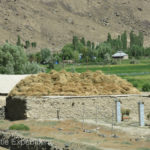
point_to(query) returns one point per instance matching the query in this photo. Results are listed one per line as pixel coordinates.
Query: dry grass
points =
(73, 84)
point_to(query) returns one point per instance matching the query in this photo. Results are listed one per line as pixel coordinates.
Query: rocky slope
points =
(51, 23)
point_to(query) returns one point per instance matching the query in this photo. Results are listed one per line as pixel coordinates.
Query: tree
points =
(124, 40)
(33, 44)
(82, 41)
(32, 57)
(93, 45)
(89, 45)
(136, 51)
(107, 58)
(27, 44)
(75, 42)
(119, 43)
(67, 52)
(45, 56)
(76, 56)
(136, 40)
(38, 57)
(84, 53)
(131, 39)
(18, 41)
(109, 38)
(13, 60)
(141, 39)
(103, 49)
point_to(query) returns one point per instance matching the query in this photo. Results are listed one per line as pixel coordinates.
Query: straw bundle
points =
(73, 84)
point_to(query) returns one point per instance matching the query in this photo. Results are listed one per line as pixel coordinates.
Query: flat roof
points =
(119, 54)
(7, 82)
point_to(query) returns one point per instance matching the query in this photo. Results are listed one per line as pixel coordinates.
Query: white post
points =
(118, 111)
(83, 117)
(96, 117)
(141, 114)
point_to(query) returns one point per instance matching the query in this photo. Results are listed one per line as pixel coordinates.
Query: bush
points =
(148, 116)
(114, 62)
(19, 127)
(133, 61)
(50, 65)
(146, 87)
(135, 84)
(31, 68)
(125, 111)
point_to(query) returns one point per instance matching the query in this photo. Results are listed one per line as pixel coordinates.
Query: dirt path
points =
(129, 128)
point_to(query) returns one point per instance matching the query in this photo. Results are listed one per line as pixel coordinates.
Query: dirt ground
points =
(1, 148)
(70, 132)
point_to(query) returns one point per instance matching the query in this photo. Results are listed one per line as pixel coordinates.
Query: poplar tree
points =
(109, 38)
(124, 40)
(75, 42)
(82, 41)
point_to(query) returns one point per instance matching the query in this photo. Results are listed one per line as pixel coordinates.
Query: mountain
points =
(52, 23)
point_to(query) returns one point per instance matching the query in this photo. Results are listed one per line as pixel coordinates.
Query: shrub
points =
(133, 61)
(19, 127)
(148, 116)
(146, 87)
(135, 84)
(31, 68)
(33, 44)
(50, 65)
(114, 62)
(125, 111)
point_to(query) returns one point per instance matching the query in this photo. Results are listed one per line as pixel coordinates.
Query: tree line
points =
(104, 50)
(14, 60)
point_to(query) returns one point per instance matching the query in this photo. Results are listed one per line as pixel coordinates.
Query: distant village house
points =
(68, 61)
(120, 55)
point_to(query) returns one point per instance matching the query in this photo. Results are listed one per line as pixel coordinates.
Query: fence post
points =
(96, 117)
(112, 120)
(118, 111)
(141, 113)
(83, 116)
(58, 114)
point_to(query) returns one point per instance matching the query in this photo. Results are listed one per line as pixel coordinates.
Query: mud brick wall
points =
(47, 108)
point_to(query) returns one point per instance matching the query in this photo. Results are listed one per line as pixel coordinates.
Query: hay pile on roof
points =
(72, 84)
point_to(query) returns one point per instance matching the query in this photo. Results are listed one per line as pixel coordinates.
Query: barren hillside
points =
(51, 23)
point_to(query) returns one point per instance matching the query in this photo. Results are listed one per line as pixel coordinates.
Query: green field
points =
(137, 74)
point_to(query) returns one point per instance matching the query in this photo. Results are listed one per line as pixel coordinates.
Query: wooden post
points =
(58, 114)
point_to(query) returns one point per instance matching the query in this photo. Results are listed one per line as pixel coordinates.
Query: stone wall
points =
(2, 113)
(72, 107)
(16, 142)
